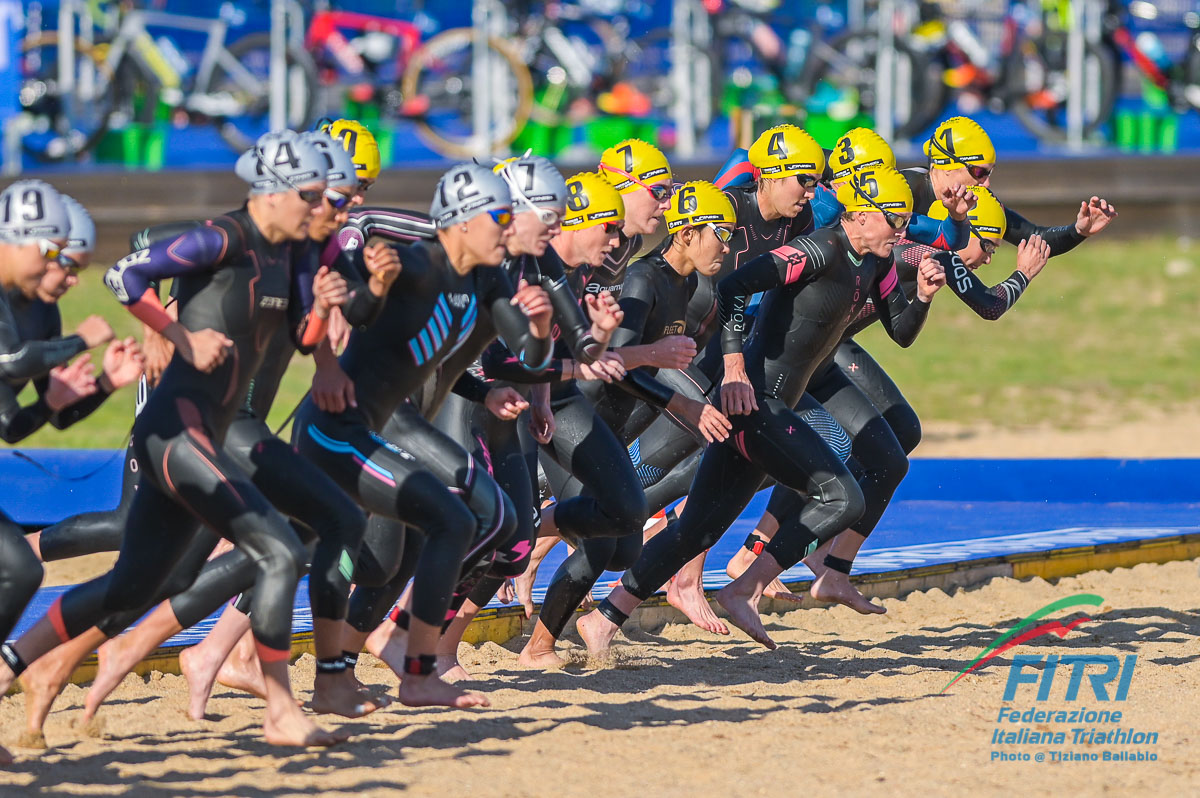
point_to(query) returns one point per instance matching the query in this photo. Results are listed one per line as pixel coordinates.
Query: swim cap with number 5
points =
(786, 150)
(959, 142)
(698, 202)
(881, 189)
(591, 200)
(861, 148)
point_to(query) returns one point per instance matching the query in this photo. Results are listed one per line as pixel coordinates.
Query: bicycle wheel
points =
(65, 125)
(840, 75)
(237, 96)
(440, 72)
(1040, 81)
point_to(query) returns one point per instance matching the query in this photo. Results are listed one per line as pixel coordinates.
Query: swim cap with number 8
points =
(637, 158)
(698, 202)
(786, 150)
(591, 200)
(959, 142)
(861, 148)
(360, 143)
(875, 190)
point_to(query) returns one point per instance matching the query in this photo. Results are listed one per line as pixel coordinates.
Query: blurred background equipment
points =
(175, 83)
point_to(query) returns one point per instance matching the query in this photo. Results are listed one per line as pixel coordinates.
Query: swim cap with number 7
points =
(634, 158)
(959, 142)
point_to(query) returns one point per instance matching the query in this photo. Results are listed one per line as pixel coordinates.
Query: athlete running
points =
(239, 282)
(817, 285)
(654, 301)
(430, 312)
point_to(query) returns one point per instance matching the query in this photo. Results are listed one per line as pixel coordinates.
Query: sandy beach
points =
(848, 703)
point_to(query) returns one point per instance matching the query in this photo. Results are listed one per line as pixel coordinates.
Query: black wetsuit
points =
(31, 344)
(609, 276)
(453, 401)
(232, 280)
(655, 301)
(430, 312)
(817, 285)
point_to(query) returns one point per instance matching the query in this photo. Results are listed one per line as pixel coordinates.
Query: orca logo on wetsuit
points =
(113, 278)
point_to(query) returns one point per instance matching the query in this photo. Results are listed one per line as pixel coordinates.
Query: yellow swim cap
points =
(785, 150)
(591, 200)
(698, 202)
(882, 189)
(987, 218)
(633, 158)
(959, 142)
(360, 143)
(861, 148)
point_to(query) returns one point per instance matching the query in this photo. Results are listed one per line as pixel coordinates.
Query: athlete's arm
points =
(470, 387)
(826, 209)
(16, 422)
(1063, 238)
(533, 352)
(315, 291)
(575, 329)
(24, 360)
(799, 259)
(939, 233)
(362, 305)
(901, 319)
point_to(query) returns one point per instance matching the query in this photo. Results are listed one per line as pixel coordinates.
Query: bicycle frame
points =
(325, 32)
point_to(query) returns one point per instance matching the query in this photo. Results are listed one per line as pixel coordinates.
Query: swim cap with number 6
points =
(786, 150)
(591, 200)
(698, 202)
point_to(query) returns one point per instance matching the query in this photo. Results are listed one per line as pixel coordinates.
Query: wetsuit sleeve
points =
(1063, 238)
(901, 319)
(637, 300)
(988, 303)
(470, 387)
(307, 327)
(737, 171)
(800, 259)
(362, 307)
(73, 414)
(532, 353)
(133, 279)
(945, 233)
(499, 363)
(574, 328)
(25, 360)
(16, 422)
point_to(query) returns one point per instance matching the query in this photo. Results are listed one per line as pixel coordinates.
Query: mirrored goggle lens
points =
(980, 172)
(725, 234)
(611, 228)
(50, 250)
(501, 216)
(896, 221)
(310, 195)
(660, 191)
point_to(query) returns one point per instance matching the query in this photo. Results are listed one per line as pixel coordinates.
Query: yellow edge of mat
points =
(499, 625)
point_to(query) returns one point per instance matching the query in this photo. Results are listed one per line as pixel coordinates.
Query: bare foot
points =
(431, 691)
(743, 612)
(296, 729)
(115, 661)
(389, 643)
(333, 695)
(42, 682)
(32, 739)
(523, 589)
(450, 670)
(597, 633)
(540, 657)
(241, 674)
(737, 566)
(692, 603)
(834, 587)
(6, 758)
(201, 676)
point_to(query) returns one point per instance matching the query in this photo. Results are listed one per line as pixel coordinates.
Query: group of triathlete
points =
(524, 327)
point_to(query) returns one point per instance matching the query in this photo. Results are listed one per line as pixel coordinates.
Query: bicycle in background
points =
(114, 71)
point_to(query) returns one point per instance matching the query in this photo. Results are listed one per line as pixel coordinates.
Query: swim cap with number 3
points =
(861, 148)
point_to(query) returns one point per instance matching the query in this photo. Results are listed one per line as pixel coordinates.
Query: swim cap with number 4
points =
(591, 200)
(698, 202)
(876, 190)
(861, 148)
(360, 143)
(636, 158)
(987, 217)
(959, 142)
(280, 161)
(786, 150)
